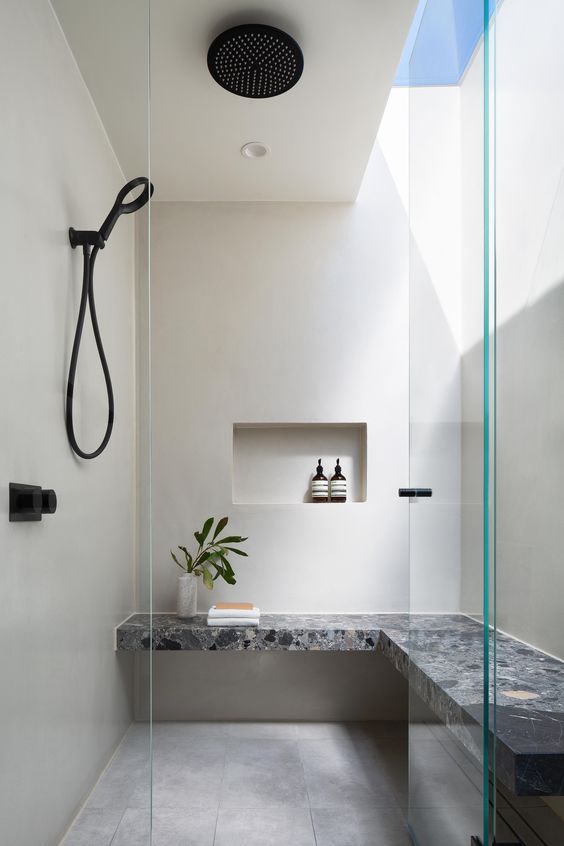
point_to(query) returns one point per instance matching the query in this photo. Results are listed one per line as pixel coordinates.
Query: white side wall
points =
(530, 225)
(434, 355)
(472, 351)
(530, 336)
(64, 582)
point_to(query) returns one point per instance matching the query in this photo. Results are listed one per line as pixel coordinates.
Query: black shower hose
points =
(87, 298)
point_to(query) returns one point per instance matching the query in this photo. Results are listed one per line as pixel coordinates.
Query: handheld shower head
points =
(91, 242)
(120, 207)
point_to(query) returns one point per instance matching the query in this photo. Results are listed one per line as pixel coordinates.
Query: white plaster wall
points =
(246, 302)
(530, 302)
(530, 310)
(64, 582)
(324, 686)
(472, 250)
(245, 298)
(434, 373)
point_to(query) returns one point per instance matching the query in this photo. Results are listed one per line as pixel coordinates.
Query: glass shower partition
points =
(448, 794)
(528, 342)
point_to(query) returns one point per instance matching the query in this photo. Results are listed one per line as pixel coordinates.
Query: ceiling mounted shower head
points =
(255, 60)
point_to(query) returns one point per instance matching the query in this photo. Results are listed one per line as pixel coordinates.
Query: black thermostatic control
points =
(29, 503)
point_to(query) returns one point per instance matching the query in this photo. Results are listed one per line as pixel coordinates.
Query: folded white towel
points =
(222, 613)
(234, 622)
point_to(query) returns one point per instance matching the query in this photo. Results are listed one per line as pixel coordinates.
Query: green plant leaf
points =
(220, 526)
(227, 566)
(199, 538)
(214, 555)
(208, 580)
(230, 579)
(189, 560)
(213, 563)
(232, 539)
(188, 556)
(177, 561)
(201, 559)
(206, 529)
(227, 573)
(237, 551)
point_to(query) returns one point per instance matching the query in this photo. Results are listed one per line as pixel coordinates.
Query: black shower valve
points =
(28, 503)
(48, 501)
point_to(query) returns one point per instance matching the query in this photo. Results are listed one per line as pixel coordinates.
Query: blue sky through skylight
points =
(441, 42)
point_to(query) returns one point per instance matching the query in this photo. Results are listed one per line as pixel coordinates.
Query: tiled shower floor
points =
(252, 784)
(296, 784)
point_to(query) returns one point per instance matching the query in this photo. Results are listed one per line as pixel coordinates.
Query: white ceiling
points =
(320, 132)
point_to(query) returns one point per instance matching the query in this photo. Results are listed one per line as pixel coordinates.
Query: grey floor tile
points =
(180, 771)
(391, 765)
(258, 730)
(134, 828)
(186, 731)
(119, 783)
(264, 827)
(136, 746)
(355, 730)
(127, 772)
(468, 764)
(420, 731)
(197, 749)
(359, 827)
(336, 776)
(379, 729)
(262, 778)
(263, 773)
(443, 827)
(381, 748)
(322, 731)
(436, 781)
(171, 827)
(93, 827)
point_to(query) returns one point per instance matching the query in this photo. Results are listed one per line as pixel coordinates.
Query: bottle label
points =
(339, 489)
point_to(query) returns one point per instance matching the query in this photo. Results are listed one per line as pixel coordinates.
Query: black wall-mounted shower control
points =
(28, 503)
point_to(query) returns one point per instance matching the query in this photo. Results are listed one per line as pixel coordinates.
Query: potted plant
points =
(210, 562)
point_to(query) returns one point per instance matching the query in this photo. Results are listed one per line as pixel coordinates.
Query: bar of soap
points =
(234, 606)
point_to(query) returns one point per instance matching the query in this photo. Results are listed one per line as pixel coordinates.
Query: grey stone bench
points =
(441, 655)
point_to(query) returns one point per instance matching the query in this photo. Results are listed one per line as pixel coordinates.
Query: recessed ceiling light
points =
(255, 150)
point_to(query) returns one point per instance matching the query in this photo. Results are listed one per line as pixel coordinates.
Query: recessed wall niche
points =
(273, 462)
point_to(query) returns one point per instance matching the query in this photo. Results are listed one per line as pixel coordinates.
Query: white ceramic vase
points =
(186, 596)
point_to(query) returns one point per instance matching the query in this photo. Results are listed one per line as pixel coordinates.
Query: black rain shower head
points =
(255, 60)
(119, 207)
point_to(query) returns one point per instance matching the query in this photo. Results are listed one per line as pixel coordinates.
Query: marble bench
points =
(441, 655)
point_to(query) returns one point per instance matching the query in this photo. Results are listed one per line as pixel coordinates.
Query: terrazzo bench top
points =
(441, 655)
